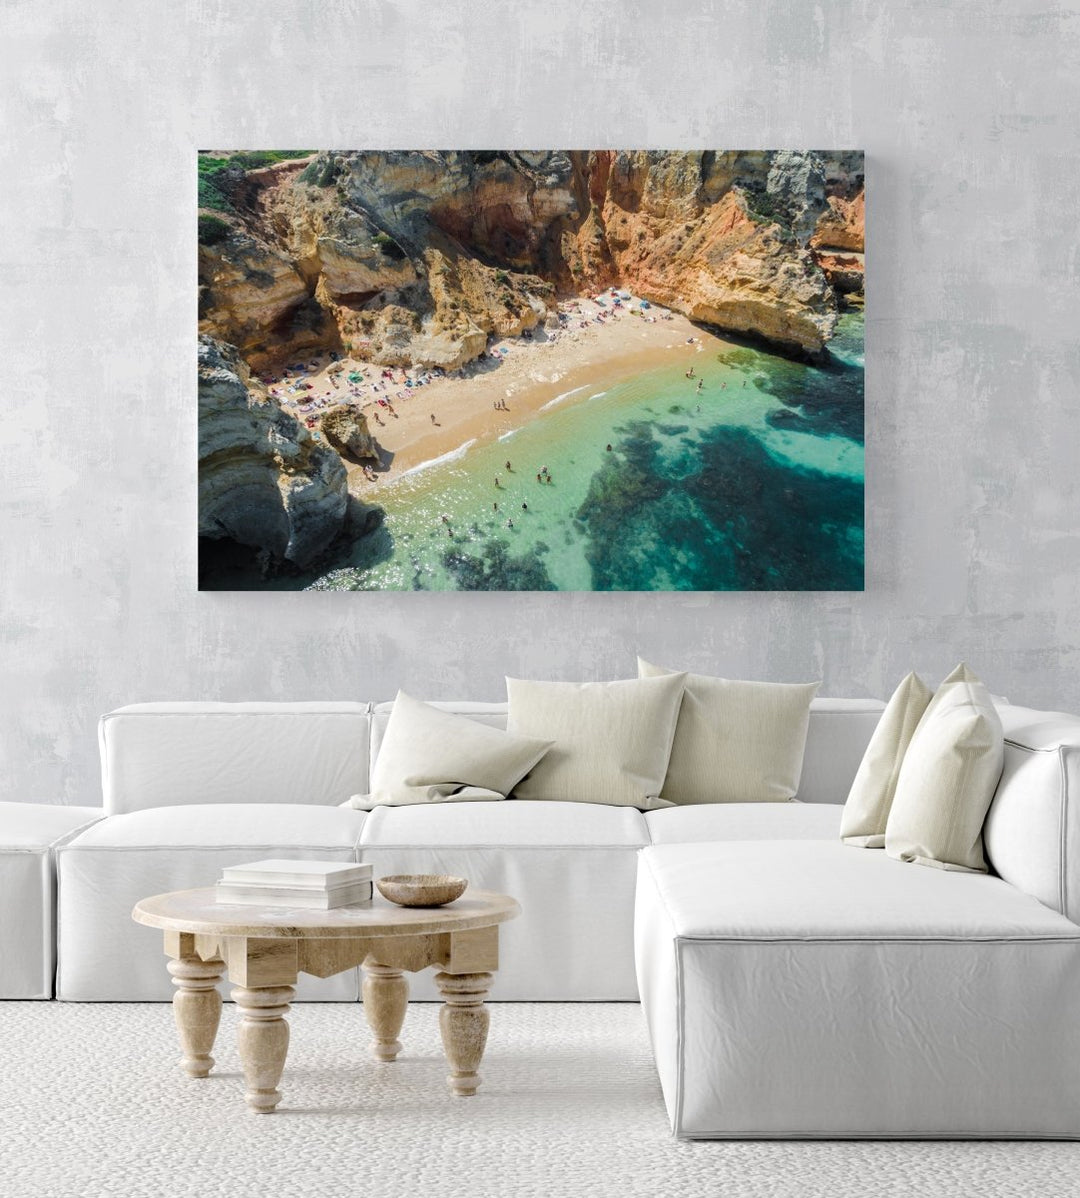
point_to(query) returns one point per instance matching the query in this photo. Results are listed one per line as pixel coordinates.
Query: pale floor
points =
(93, 1103)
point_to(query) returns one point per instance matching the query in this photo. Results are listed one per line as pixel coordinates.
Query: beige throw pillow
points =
(612, 739)
(948, 778)
(433, 756)
(866, 811)
(736, 742)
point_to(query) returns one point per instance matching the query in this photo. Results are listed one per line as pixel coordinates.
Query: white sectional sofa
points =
(189, 787)
(792, 985)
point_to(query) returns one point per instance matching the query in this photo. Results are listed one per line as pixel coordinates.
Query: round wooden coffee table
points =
(264, 948)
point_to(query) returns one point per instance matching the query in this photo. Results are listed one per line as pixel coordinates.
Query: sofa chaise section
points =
(809, 989)
(103, 872)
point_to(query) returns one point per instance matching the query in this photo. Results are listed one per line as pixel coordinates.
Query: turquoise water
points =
(754, 486)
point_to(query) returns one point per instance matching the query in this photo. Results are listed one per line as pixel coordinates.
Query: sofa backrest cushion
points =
(166, 754)
(840, 730)
(1032, 831)
(176, 754)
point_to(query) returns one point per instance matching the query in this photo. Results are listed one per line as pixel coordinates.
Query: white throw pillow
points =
(736, 742)
(948, 778)
(867, 808)
(433, 756)
(612, 739)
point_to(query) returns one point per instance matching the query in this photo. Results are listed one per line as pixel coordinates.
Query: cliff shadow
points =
(365, 541)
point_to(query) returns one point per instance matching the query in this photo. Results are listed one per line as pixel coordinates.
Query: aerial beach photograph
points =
(553, 370)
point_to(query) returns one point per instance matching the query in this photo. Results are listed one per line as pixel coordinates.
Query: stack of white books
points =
(318, 885)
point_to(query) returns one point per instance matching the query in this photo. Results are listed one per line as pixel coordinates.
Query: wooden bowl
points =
(421, 890)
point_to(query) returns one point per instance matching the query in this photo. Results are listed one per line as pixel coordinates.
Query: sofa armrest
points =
(1032, 831)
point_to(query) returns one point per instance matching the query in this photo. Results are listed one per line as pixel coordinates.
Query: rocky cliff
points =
(838, 241)
(347, 431)
(263, 481)
(416, 257)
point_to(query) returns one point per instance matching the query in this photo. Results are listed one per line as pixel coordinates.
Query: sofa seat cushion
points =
(707, 822)
(33, 826)
(224, 825)
(532, 822)
(812, 989)
(29, 835)
(807, 889)
(102, 874)
(571, 866)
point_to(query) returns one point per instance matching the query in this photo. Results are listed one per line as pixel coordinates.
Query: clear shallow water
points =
(754, 486)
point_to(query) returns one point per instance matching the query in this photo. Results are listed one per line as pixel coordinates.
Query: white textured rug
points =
(93, 1104)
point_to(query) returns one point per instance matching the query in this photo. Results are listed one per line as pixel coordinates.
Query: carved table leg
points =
(386, 998)
(263, 1040)
(197, 1010)
(463, 1022)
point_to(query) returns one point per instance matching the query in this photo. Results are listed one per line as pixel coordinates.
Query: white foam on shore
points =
(559, 398)
(452, 456)
(598, 394)
(507, 436)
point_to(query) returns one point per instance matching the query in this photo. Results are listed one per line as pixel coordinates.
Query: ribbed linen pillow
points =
(612, 739)
(433, 756)
(948, 778)
(736, 742)
(862, 822)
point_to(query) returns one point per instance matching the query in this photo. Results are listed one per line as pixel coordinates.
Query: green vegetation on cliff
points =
(215, 172)
(212, 229)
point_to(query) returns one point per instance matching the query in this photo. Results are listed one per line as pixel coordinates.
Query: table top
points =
(198, 911)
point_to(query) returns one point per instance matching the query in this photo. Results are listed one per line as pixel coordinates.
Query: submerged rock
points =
(264, 481)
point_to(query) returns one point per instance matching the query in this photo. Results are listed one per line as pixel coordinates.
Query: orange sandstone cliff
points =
(417, 257)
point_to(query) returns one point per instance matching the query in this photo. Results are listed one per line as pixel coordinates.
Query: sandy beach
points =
(597, 345)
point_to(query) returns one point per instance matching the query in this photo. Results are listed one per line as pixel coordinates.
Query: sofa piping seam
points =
(193, 713)
(965, 1136)
(169, 848)
(954, 938)
(680, 1033)
(488, 845)
(1063, 856)
(1055, 748)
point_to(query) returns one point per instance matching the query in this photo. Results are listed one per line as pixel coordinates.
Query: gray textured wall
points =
(968, 114)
